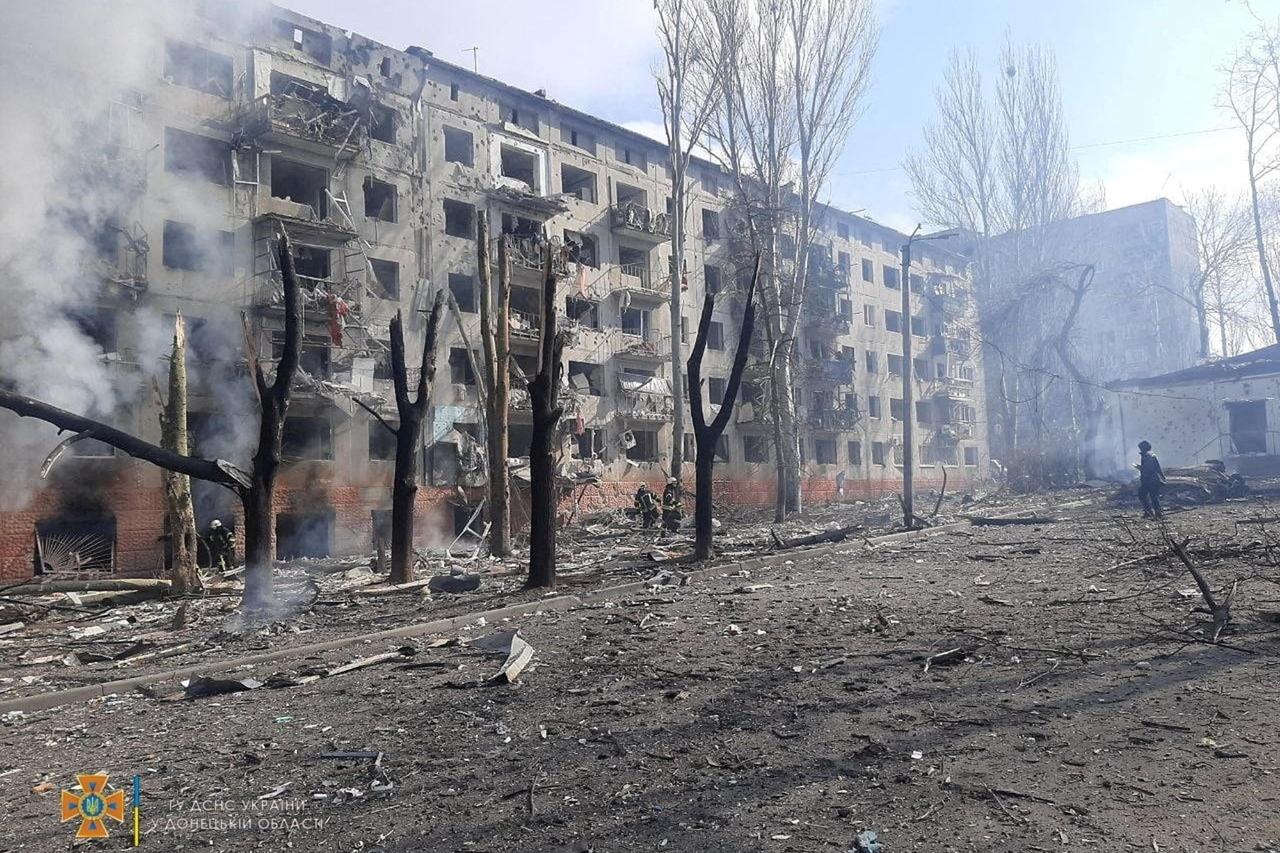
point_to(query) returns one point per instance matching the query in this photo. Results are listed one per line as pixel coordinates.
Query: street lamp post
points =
(908, 404)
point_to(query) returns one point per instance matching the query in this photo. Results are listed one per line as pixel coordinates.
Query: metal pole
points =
(908, 508)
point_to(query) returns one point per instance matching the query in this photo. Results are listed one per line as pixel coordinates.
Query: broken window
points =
(645, 448)
(386, 278)
(583, 248)
(710, 224)
(854, 451)
(924, 412)
(198, 68)
(75, 543)
(712, 277)
(197, 156)
(520, 117)
(715, 335)
(578, 138)
(754, 449)
(303, 535)
(891, 277)
(578, 182)
(382, 123)
(873, 406)
(937, 454)
(895, 408)
(892, 321)
(582, 311)
(824, 451)
(971, 457)
(463, 287)
(520, 165)
(868, 270)
(459, 219)
(585, 378)
(894, 364)
(99, 325)
(877, 453)
(711, 182)
(635, 321)
(302, 184)
(459, 146)
(1247, 421)
(307, 438)
(521, 226)
(313, 356)
(319, 46)
(460, 367)
(872, 361)
(382, 443)
(311, 262)
(454, 91)
(632, 157)
(184, 248)
(715, 390)
(589, 444)
(627, 194)
(379, 200)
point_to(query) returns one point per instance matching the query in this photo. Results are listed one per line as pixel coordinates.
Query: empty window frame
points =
(300, 183)
(520, 116)
(868, 270)
(380, 200)
(463, 288)
(645, 448)
(307, 438)
(578, 138)
(582, 311)
(198, 68)
(877, 453)
(854, 452)
(317, 45)
(520, 165)
(1247, 422)
(185, 248)
(459, 219)
(459, 146)
(578, 182)
(971, 457)
(715, 335)
(191, 155)
(632, 157)
(382, 443)
(710, 224)
(460, 372)
(891, 276)
(715, 390)
(824, 451)
(755, 449)
(713, 277)
(873, 406)
(583, 248)
(382, 123)
(386, 278)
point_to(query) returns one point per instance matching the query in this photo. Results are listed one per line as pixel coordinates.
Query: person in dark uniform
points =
(672, 510)
(222, 546)
(647, 503)
(1150, 481)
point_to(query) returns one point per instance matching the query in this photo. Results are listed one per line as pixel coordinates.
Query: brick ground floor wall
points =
(133, 493)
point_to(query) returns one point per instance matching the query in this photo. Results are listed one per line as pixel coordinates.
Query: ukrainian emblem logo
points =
(93, 805)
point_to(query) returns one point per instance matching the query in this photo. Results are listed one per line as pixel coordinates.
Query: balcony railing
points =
(638, 404)
(530, 253)
(648, 345)
(637, 278)
(954, 431)
(952, 387)
(636, 219)
(834, 419)
(308, 114)
(837, 371)
(825, 273)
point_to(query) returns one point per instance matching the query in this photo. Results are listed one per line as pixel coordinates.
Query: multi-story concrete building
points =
(377, 162)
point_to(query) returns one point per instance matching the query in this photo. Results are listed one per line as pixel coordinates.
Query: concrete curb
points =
(554, 604)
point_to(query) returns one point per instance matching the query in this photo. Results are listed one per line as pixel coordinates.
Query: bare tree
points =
(1223, 242)
(795, 73)
(255, 488)
(707, 435)
(177, 486)
(688, 83)
(495, 339)
(1251, 93)
(543, 393)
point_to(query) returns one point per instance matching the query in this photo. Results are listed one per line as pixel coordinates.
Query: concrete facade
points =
(376, 162)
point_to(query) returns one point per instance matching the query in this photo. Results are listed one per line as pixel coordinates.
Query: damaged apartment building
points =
(377, 163)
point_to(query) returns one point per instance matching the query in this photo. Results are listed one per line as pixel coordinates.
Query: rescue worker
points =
(647, 504)
(222, 546)
(672, 511)
(1150, 481)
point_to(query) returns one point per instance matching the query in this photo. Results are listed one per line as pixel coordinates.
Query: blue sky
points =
(1129, 70)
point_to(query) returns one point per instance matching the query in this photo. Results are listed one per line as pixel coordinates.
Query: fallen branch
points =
(838, 534)
(982, 521)
(1219, 610)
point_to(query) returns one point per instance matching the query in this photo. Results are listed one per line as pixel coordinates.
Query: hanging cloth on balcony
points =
(337, 310)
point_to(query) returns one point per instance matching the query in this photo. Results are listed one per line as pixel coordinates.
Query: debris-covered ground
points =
(1016, 687)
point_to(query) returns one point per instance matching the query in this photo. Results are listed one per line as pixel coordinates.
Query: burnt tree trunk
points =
(495, 341)
(706, 435)
(404, 487)
(543, 392)
(177, 487)
(273, 399)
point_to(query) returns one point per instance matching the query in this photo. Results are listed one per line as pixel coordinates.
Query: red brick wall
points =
(133, 492)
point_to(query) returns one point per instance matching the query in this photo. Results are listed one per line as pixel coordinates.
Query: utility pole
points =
(908, 437)
(908, 404)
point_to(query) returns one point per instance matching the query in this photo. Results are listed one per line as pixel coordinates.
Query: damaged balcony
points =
(825, 273)
(829, 371)
(528, 252)
(827, 313)
(631, 217)
(949, 294)
(644, 398)
(826, 415)
(303, 112)
(633, 277)
(642, 345)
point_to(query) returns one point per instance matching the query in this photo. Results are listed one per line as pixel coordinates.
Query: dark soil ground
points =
(784, 711)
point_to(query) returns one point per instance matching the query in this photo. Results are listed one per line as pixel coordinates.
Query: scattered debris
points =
(203, 686)
(454, 583)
